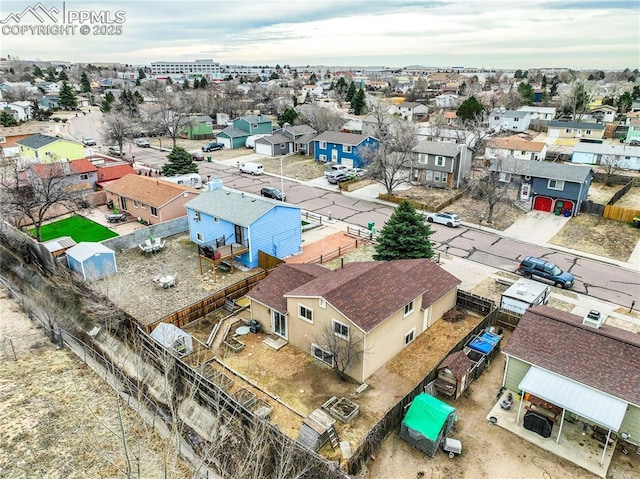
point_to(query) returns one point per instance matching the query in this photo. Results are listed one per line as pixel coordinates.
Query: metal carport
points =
(574, 397)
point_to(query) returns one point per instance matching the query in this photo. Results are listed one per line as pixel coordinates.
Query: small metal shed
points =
(91, 260)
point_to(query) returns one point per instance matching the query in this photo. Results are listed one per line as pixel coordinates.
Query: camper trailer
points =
(193, 180)
(523, 294)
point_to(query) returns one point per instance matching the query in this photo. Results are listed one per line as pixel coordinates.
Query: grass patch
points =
(78, 227)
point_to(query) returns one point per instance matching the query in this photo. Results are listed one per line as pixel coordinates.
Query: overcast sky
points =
(585, 34)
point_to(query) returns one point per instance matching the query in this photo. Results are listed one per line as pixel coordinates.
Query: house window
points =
(200, 237)
(323, 144)
(154, 211)
(443, 178)
(346, 148)
(408, 308)
(516, 119)
(439, 160)
(340, 330)
(588, 132)
(84, 177)
(322, 303)
(305, 313)
(428, 175)
(409, 337)
(423, 158)
(143, 206)
(323, 158)
(135, 203)
(556, 185)
(196, 216)
(568, 130)
(523, 153)
(496, 118)
(322, 354)
(504, 178)
(436, 176)
(216, 219)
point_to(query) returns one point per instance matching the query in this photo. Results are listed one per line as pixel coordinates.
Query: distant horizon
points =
(494, 34)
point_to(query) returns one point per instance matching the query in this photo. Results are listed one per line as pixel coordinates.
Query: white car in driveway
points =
(449, 219)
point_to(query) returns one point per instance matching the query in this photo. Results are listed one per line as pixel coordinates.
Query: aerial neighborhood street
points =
(235, 245)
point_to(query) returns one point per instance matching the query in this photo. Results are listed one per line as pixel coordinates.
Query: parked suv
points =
(538, 267)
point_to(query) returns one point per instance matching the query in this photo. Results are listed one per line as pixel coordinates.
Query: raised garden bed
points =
(218, 378)
(233, 344)
(262, 409)
(245, 397)
(342, 409)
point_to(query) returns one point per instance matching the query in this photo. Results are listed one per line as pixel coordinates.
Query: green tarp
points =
(427, 421)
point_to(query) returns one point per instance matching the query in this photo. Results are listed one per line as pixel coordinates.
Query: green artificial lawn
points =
(78, 227)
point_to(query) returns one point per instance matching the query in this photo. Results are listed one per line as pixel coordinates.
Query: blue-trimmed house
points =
(223, 216)
(343, 148)
(236, 134)
(550, 187)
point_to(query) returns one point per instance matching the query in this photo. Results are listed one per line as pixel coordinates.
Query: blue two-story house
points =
(345, 148)
(223, 219)
(235, 135)
(551, 187)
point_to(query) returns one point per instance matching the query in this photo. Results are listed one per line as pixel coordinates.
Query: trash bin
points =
(208, 159)
(566, 213)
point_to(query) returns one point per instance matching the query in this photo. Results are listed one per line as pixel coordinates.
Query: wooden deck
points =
(225, 255)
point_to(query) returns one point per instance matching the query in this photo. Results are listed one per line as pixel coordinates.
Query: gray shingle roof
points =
(37, 141)
(256, 119)
(297, 130)
(542, 169)
(232, 132)
(437, 148)
(606, 149)
(234, 206)
(341, 138)
(274, 139)
(575, 125)
(607, 359)
(510, 113)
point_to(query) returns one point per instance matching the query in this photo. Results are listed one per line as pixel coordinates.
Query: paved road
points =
(593, 277)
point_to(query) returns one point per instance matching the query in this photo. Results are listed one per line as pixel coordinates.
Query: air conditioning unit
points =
(593, 319)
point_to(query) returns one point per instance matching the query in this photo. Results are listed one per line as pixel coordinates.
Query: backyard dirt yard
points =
(488, 452)
(58, 419)
(300, 167)
(133, 289)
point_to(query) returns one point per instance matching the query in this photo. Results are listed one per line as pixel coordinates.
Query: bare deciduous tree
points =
(35, 192)
(172, 114)
(345, 350)
(118, 128)
(494, 187)
(319, 118)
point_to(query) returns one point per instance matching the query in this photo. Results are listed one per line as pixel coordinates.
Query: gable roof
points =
(276, 138)
(607, 359)
(606, 149)
(38, 140)
(232, 132)
(341, 138)
(510, 113)
(148, 190)
(409, 104)
(575, 125)
(458, 363)
(441, 148)
(76, 167)
(516, 143)
(543, 169)
(285, 277)
(255, 119)
(234, 206)
(381, 288)
(85, 250)
(113, 172)
(297, 130)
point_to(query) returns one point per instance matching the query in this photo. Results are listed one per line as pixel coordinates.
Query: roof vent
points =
(521, 290)
(593, 319)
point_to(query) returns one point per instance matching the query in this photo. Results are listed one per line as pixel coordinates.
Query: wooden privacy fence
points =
(336, 253)
(618, 213)
(209, 304)
(268, 262)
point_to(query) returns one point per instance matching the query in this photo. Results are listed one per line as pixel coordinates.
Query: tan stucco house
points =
(152, 200)
(379, 307)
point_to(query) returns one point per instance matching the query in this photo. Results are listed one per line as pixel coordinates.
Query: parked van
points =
(193, 180)
(253, 168)
(251, 141)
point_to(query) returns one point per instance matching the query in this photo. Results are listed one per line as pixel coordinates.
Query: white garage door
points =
(263, 149)
(348, 162)
(225, 141)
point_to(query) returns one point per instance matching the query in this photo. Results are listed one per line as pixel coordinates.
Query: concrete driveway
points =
(536, 227)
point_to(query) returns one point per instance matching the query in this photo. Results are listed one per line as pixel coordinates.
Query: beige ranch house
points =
(376, 307)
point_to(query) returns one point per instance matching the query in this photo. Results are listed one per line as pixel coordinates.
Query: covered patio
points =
(570, 439)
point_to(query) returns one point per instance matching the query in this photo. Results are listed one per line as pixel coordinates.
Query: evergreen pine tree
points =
(203, 83)
(84, 82)
(67, 97)
(404, 236)
(37, 71)
(180, 163)
(470, 109)
(62, 76)
(7, 119)
(358, 102)
(351, 91)
(141, 74)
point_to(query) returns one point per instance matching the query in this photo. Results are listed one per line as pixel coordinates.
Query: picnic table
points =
(152, 246)
(116, 217)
